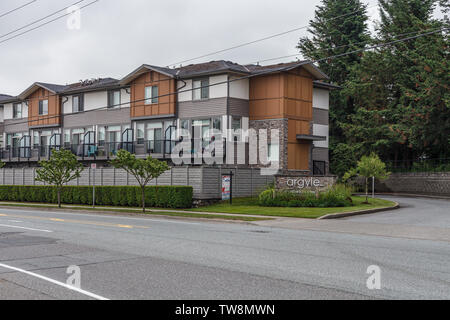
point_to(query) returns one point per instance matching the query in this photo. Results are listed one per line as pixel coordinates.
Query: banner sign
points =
(226, 187)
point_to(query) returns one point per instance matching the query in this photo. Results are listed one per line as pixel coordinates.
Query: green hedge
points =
(127, 196)
(337, 196)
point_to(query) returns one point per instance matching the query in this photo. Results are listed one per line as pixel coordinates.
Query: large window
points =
(151, 95)
(201, 89)
(140, 133)
(17, 111)
(155, 137)
(114, 99)
(43, 107)
(78, 103)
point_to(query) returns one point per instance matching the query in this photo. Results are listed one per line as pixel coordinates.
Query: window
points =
(217, 123)
(151, 95)
(273, 152)
(114, 99)
(101, 135)
(155, 137)
(17, 111)
(140, 134)
(236, 123)
(78, 103)
(201, 89)
(43, 107)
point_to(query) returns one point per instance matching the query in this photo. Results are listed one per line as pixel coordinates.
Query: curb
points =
(357, 213)
(408, 195)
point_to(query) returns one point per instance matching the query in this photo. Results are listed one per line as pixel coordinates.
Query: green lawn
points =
(250, 206)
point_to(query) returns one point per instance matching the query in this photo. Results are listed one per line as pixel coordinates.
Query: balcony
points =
(159, 149)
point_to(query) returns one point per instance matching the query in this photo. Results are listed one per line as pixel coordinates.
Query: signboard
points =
(305, 183)
(226, 187)
(93, 166)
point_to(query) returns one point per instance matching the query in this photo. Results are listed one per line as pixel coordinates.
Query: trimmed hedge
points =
(126, 196)
(337, 196)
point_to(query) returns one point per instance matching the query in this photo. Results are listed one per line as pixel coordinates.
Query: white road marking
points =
(25, 228)
(15, 221)
(87, 293)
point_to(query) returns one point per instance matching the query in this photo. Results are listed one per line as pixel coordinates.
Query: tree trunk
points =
(59, 197)
(367, 190)
(143, 199)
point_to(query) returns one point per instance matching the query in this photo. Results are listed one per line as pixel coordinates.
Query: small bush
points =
(127, 196)
(337, 196)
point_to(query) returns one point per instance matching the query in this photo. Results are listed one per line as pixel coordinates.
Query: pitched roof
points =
(53, 88)
(5, 97)
(212, 67)
(308, 65)
(91, 85)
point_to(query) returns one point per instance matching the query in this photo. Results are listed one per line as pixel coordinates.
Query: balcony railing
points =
(160, 149)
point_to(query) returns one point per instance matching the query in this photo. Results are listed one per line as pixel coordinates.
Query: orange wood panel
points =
(54, 109)
(166, 101)
(298, 156)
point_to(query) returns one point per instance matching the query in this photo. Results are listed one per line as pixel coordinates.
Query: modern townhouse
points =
(142, 112)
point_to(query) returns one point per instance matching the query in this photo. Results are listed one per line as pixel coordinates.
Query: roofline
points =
(131, 76)
(103, 88)
(212, 73)
(314, 70)
(10, 100)
(28, 91)
(325, 85)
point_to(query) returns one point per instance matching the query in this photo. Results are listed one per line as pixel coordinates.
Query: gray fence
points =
(205, 181)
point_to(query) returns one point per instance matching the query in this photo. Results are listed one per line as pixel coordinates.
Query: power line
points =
(266, 38)
(39, 20)
(337, 47)
(287, 68)
(46, 23)
(16, 9)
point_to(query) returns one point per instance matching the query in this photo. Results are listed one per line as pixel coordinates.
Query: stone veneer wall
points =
(282, 126)
(437, 184)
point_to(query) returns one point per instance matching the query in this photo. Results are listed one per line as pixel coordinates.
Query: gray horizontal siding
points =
(321, 116)
(206, 108)
(100, 117)
(15, 126)
(320, 154)
(239, 107)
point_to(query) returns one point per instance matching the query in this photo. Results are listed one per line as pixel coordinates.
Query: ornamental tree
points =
(144, 170)
(61, 168)
(368, 167)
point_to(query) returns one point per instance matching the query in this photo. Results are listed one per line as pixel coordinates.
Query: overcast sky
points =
(117, 36)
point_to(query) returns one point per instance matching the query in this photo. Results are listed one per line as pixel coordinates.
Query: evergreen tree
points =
(401, 91)
(339, 26)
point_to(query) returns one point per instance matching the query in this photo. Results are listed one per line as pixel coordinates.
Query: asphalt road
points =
(155, 258)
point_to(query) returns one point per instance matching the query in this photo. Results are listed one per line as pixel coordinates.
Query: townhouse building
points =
(142, 111)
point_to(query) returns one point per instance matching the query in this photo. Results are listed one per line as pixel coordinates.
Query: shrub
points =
(161, 196)
(336, 196)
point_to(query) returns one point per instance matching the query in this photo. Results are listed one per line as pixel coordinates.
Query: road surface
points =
(124, 257)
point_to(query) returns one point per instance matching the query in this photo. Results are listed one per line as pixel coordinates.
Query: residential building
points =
(142, 112)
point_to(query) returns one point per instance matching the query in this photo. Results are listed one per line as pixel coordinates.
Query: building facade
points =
(144, 112)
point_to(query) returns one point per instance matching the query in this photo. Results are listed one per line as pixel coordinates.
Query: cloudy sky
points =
(116, 36)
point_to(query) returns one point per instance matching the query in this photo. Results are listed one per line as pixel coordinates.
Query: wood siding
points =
(53, 118)
(287, 95)
(165, 105)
